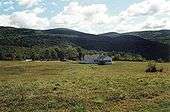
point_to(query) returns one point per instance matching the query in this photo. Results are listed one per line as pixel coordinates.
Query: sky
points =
(90, 16)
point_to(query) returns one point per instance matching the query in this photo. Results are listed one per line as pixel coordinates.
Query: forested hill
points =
(30, 42)
(162, 36)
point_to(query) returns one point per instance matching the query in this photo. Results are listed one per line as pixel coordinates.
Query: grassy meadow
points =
(73, 87)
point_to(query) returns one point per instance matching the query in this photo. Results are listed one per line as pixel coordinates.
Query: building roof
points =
(97, 57)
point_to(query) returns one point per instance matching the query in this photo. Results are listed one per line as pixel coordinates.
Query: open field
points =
(71, 87)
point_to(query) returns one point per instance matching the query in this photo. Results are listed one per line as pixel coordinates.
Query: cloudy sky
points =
(92, 16)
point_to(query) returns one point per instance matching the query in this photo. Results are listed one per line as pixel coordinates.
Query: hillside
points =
(162, 36)
(111, 34)
(43, 39)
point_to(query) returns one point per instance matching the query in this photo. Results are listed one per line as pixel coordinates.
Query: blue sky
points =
(92, 16)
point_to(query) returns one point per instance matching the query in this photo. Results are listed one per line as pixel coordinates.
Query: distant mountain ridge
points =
(162, 36)
(149, 44)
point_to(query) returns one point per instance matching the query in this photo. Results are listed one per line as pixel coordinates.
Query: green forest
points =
(63, 44)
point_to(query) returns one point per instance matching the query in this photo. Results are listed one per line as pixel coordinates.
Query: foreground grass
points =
(65, 87)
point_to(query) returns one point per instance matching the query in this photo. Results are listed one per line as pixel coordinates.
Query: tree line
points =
(61, 53)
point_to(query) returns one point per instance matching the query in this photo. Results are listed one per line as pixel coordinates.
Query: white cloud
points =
(94, 18)
(154, 23)
(147, 7)
(24, 19)
(146, 15)
(86, 18)
(28, 3)
(38, 10)
(28, 20)
(4, 20)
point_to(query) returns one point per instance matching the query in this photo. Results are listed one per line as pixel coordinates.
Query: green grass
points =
(72, 87)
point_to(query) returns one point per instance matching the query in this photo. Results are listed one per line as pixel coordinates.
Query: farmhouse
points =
(96, 59)
(28, 60)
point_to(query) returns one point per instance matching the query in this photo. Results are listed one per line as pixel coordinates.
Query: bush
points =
(101, 63)
(160, 70)
(160, 61)
(151, 67)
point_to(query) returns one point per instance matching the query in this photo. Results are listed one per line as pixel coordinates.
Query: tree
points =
(80, 53)
(54, 55)
(47, 54)
(2, 56)
(61, 55)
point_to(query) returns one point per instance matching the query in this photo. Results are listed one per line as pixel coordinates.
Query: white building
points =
(28, 60)
(96, 59)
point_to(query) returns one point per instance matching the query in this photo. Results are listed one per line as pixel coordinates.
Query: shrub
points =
(101, 63)
(160, 70)
(151, 67)
(160, 60)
